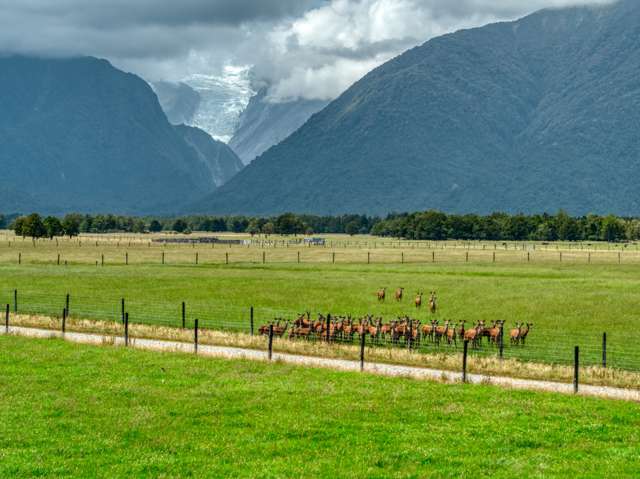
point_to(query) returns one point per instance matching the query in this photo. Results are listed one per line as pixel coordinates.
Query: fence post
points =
(576, 369)
(494, 256)
(126, 258)
(619, 258)
(195, 336)
(298, 257)
(122, 306)
(333, 258)
(270, 341)
(15, 301)
(502, 341)
(362, 344)
(561, 256)
(163, 257)
(368, 257)
(589, 257)
(402, 257)
(184, 315)
(66, 302)
(528, 257)
(410, 335)
(64, 320)
(433, 256)
(126, 329)
(226, 256)
(196, 259)
(6, 319)
(251, 320)
(58, 259)
(102, 260)
(19, 258)
(328, 327)
(264, 257)
(604, 350)
(464, 360)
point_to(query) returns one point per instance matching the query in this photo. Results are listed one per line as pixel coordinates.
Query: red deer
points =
(525, 333)
(494, 332)
(382, 294)
(440, 331)
(452, 336)
(514, 334)
(473, 335)
(432, 302)
(418, 300)
(399, 293)
(279, 331)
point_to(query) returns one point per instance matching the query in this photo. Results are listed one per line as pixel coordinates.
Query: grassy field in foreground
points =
(568, 304)
(82, 411)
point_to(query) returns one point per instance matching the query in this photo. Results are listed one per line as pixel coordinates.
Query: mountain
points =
(78, 134)
(220, 160)
(178, 100)
(532, 115)
(264, 123)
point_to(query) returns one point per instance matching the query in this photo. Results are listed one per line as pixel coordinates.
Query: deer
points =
(452, 336)
(514, 334)
(382, 294)
(418, 300)
(493, 333)
(524, 333)
(399, 294)
(473, 334)
(440, 331)
(428, 329)
(432, 302)
(280, 330)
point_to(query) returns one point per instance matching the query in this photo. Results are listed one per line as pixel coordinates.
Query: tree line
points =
(427, 225)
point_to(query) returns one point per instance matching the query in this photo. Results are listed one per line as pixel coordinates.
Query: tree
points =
(155, 226)
(18, 226)
(352, 228)
(138, 226)
(71, 224)
(612, 229)
(53, 226)
(33, 226)
(288, 224)
(180, 226)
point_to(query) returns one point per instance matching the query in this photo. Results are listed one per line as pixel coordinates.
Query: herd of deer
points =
(403, 330)
(382, 296)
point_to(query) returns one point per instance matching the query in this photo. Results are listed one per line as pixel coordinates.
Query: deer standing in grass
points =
(514, 334)
(399, 294)
(382, 294)
(418, 300)
(524, 333)
(432, 302)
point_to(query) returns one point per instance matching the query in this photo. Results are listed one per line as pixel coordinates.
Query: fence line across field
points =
(595, 350)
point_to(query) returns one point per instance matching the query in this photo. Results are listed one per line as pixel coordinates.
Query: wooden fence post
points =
(264, 257)
(126, 258)
(362, 345)
(251, 320)
(163, 257)
(270, 341)
(402, 257)
(494, 256)
(528, 257)
(333, 258)
(126, 329)
(298, 257)
(226, 256)
(197, 259)
(102, 259)
(467, 257)
(184, 315)
(604, 350)
(576, 369)
(433, 256)
(464, 360)
(58, 259)
(19, 258)
(195, 336)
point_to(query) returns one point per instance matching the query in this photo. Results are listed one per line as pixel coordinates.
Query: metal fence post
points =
(15, 301)
(126, 258)
(270, 341)
(66, 303)
(126, 329)
(64, 320)
(328, 327)
(362, 345)
(464, 360)
(195, 336)
(576, 369)
(6, 319)
(502, 341)
(184, 315)
(604, 350)
(251, 320)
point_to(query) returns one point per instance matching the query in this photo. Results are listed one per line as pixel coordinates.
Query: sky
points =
(311, 49)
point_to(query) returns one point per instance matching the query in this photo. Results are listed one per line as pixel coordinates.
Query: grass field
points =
(569, 303)
(83, 411)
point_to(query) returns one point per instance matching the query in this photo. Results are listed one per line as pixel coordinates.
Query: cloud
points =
(310, 49)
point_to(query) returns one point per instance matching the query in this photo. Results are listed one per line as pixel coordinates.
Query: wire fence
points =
(612, 349)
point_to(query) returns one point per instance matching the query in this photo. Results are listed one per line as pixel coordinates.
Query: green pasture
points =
(568, 304)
